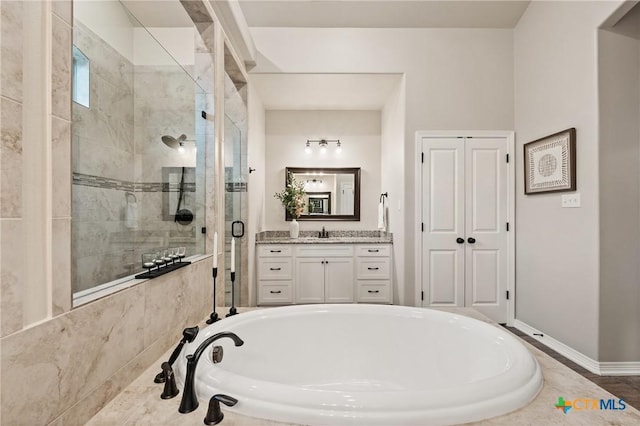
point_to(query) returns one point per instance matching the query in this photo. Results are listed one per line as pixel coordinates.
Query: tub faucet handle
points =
(214, 414)
(170, 388)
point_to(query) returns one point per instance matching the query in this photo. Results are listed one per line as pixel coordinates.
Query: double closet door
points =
(465, 207)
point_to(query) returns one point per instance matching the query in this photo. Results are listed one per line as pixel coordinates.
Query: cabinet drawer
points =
(373, 268)
(374, 291)
(276, 250)
(274, 269)
(274, 293)
(374, 250)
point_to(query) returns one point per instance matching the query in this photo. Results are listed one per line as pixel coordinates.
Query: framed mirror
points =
(332, 193)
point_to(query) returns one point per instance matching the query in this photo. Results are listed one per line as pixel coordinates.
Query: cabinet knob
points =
(460, 240)
(471, 240)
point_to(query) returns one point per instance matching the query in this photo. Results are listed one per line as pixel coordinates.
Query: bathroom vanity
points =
(348, 269)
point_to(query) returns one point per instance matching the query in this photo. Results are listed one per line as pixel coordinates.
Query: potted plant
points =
(292, 198)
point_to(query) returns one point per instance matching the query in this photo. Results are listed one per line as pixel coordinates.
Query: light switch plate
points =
(571, 200)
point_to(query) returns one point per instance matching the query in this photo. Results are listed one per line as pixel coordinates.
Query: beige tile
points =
(11, 275)
(11, 159)
(185, 307)
(61, 253)
(64, 10)
(54, 364)
(11, 46)
(61, 164)
(61, 69)
(86, 408)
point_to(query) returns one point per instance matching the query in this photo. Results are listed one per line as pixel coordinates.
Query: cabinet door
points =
(339, 281)
(310, 280)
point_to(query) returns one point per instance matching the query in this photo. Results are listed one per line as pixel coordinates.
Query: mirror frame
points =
(355, 171)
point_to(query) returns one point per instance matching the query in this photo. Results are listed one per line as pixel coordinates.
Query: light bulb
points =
(181, 148)
(323, 149)
(339, 148)
(307, 148)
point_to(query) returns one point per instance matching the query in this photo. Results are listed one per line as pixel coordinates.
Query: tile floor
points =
(624, 387)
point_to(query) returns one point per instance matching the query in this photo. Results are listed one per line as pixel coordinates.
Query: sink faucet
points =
(189, 400)
(323, 233)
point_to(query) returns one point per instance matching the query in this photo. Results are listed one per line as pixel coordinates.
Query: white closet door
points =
(464, 211)
(486, 212)
(443, 213)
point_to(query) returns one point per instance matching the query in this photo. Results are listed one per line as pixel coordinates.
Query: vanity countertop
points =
(335, 237)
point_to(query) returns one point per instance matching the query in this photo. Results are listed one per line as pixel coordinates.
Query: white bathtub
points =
(367, 365)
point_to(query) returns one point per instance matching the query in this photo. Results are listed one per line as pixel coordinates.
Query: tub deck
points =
(140, 403)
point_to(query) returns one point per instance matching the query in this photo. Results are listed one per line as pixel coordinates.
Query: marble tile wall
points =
(92, 352)
(119, 137)
(171, 111)
(103, 145)
(62, 370)
(11, 56)
(11, 156)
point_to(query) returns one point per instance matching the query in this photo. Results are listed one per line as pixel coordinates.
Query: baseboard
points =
(600, 368)
(620, 368)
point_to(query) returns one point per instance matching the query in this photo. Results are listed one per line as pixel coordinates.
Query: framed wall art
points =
(550, 163)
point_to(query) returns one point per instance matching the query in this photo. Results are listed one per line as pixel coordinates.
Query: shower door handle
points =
(233, 229)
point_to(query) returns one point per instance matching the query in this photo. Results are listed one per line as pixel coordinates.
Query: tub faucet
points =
(189, 400)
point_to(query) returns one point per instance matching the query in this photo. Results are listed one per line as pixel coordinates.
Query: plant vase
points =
(294, 229)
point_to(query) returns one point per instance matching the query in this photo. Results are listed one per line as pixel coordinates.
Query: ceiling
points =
(383, 13)
(159, 13)
(324, 91)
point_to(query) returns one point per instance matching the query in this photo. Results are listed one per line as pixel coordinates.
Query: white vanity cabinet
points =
(324, 273)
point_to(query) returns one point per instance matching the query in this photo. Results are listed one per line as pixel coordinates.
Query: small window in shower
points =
(80, 77)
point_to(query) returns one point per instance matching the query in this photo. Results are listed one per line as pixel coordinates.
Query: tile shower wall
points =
(164, 105)
(118, 150)
(63, 369)
(103, 163)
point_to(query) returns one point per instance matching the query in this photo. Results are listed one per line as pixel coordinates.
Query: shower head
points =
(172, 142)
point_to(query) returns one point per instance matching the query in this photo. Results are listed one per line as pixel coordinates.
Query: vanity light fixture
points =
(323, 144)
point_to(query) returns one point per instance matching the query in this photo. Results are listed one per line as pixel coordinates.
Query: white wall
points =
(175, 45)
(359, 134)
(393, 125)
(456, 79)
(557, 249)
(619, 92)
(109, 20)
(256, 184)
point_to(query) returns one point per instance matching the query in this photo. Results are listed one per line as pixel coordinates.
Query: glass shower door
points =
(235, 171)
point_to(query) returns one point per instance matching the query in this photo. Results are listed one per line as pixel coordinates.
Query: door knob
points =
(460, 240)
(471, 240)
